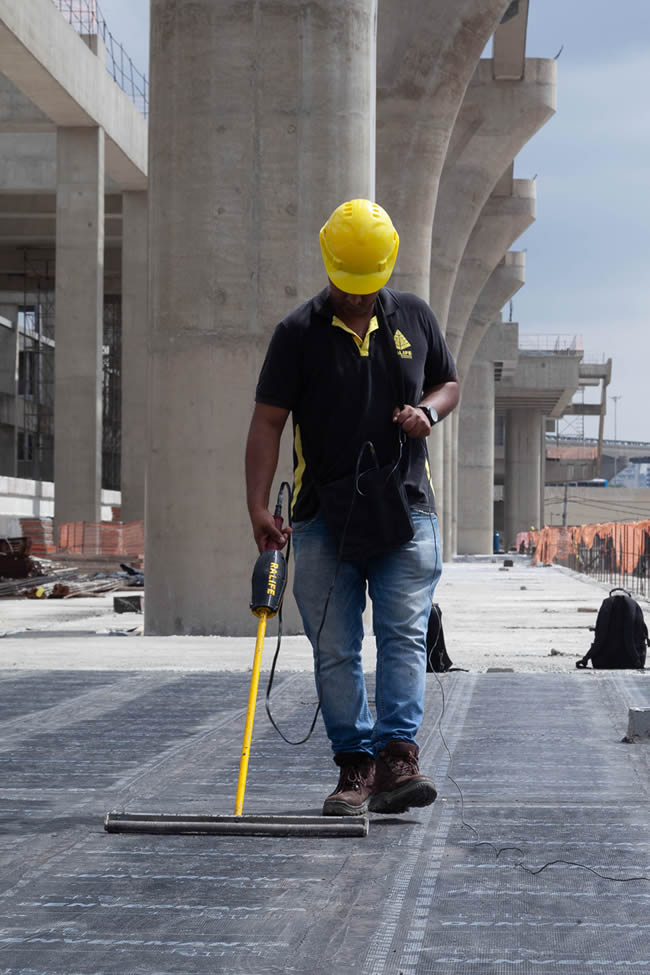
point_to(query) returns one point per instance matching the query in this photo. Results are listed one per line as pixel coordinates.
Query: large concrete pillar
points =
(507, 213)
(134, 353)
(475, 448)
(426, 55)
(79, 324)
(524, 457)
(252, 145)
(476, 461)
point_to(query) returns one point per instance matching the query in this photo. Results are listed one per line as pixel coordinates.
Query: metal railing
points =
(87, 19)
(606, 563)
(615, 553)
(546, 344)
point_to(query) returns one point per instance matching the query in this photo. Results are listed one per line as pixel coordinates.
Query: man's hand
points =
(413, 422)
(265, 532)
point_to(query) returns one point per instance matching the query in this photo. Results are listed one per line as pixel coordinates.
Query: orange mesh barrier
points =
(623, 543)
(41, 532)
(102, 538)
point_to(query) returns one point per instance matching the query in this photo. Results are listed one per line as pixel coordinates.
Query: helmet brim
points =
(358, 284)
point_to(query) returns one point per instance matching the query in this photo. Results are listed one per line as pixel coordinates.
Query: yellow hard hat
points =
(359, 246)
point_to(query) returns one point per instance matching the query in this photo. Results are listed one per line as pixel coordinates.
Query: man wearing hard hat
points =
(366, 374)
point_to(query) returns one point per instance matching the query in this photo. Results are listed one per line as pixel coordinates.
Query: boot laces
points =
(402, 764)
(351, 777)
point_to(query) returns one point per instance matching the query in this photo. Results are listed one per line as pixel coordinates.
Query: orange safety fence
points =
(102, 538)
(41, 532)
(611, 549)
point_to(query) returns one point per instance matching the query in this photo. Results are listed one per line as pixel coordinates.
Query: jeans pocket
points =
(299, 527)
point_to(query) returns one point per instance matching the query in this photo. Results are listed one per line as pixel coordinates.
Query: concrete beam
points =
(546, 383)
(18, 114)
(46, 60)
(583, 409)
(506, 279)
(426, 54)
(509, 46)
(511, 112)
(502, 220)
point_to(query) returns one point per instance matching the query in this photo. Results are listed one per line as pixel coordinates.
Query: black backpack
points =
(621, 635)
(437, 657)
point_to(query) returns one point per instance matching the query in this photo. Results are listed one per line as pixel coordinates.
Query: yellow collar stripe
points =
(363, 345)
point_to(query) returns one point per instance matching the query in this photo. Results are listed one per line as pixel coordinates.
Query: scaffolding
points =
(112, 393)
(34, 426)
(35, 378)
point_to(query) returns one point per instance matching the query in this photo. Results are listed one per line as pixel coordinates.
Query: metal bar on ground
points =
(122, 822)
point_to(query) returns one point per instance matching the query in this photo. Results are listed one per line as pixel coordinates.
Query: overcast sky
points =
(588, 253)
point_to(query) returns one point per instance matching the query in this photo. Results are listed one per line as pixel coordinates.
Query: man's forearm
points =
(262, 450)
(443, 398)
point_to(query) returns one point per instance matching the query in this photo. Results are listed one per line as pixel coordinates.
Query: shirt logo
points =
(402, 345)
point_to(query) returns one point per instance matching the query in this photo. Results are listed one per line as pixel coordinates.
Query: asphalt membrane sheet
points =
(538, 758)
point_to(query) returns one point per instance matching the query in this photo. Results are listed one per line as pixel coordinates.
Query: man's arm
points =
(443, 398)
(262, 450)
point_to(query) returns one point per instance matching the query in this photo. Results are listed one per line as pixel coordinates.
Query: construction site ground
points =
(535, 857)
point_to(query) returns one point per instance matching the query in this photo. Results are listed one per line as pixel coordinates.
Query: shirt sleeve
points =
(278, 381)
(439, 365)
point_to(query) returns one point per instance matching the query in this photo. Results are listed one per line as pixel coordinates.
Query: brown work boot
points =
(398, 782)
(350, 798)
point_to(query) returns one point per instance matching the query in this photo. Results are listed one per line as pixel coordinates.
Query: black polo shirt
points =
(340, 398)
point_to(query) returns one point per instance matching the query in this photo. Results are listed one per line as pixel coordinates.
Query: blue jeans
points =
(401, 586)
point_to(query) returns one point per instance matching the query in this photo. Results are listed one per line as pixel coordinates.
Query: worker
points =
(334, 364)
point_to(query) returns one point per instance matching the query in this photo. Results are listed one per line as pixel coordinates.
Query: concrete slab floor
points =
(527, 618)
(538, 758)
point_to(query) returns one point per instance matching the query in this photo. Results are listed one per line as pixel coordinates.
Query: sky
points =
(588, 252)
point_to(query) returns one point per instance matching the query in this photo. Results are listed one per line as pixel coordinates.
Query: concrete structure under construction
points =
(73, 143)
(140, 283)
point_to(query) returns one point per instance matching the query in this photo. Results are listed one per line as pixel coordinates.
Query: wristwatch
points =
(431, 414)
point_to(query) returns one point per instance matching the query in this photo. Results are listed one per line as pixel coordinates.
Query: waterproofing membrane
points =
(539, 760)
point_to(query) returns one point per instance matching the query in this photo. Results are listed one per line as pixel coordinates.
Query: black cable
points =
(267, 702)
(498, 850)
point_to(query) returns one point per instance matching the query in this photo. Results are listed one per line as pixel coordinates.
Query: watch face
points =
(430, 413)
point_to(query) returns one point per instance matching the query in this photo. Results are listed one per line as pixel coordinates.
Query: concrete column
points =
(252, 145)
(450, 487)
(447, 488)
(506, 279)
(476, 462)
(79, 324)
(523, 472)
(507, 213)
(475, 447)
(426, 54)
(497, 119)
(436, 463)
(134, 353)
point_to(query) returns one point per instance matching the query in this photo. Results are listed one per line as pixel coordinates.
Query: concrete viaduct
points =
(261, 121)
